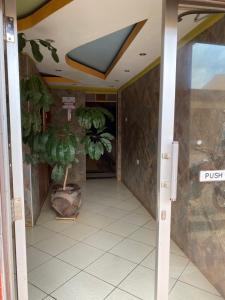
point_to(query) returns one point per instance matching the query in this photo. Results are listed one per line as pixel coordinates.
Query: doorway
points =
(110, 200)
(106, 166)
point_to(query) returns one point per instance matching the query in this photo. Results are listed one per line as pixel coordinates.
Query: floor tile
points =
(121, 228)
(193, 276)
(51, 275)
(183, 291)
(79, 231)
(109, 213)
(55, 245)
(103, 240)
(83, 287)
(131, 250)
(80, 255)
(136, 219)
(120, 295)
(35, 258)
(92, 206)
(113, 212)
(125, 204)
(175, 249)
(151, 225)
(46, 216)
(37, 233)
(58, 225)
(93, 219)
(35, 294)
(143, 211)
(177, 264)
(111, 268)
(144, 235)
(141, 283)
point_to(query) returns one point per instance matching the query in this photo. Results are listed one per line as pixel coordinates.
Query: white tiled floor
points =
(107, 253)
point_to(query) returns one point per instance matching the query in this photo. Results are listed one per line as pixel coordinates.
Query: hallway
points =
(108, 253)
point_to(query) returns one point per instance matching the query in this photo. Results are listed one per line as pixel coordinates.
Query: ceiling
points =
(82, 22)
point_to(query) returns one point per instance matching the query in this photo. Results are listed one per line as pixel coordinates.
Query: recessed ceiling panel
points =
(27, 7)
(99, 54)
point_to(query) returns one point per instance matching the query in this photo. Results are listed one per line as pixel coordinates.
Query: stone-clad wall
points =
(139, 138)
(198, 216)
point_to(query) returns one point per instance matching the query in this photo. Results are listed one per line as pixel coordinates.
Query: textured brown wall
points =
(139, 138)
(198, 223)
(59, 117)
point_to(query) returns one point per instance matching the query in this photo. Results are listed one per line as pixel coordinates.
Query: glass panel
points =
(198, 216)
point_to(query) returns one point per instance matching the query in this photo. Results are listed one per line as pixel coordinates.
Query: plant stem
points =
(65, 179)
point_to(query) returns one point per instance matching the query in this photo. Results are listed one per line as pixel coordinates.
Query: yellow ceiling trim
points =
(90, 71)
(54, 79)
(42, 13)
(210, 21)
(87, 89)
(137, 28)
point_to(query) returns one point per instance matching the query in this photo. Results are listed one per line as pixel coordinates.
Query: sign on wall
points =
(212, 175)
(69, 104)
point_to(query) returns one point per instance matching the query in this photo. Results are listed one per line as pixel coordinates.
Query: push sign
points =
(215, 175)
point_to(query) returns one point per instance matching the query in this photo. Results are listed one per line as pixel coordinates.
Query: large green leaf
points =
(107, 135)
(107, 144)
(57, 173)
(55, 55)
(21, 41)
(61, 151)
(35, 48)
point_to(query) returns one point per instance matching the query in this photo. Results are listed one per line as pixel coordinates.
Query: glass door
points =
(198, 215)
(11, 173)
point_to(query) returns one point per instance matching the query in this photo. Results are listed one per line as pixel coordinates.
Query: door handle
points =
(174, 171)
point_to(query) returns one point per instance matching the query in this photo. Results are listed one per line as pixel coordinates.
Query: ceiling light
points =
(127, 71)
(142, 54)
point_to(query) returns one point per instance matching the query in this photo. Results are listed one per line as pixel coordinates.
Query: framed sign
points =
(69, 104)
(212, 175)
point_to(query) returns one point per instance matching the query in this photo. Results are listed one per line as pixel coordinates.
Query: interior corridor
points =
(107, 253)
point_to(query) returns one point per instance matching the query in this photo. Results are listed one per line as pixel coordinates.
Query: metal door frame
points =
(165, 144)
(165, 152)
(12, 187)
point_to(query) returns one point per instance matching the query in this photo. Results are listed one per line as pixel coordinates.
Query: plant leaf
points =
(107, 135)
(36, 51)
(55, 55)
(21, 41)
(57, 173)
(107, 144)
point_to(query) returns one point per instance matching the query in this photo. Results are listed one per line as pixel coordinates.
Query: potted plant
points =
(59, 147)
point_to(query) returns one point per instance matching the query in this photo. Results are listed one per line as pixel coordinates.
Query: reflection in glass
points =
(208, 66)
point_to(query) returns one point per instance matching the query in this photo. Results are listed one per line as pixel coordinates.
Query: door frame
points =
(12, 187)
(9, 83)
(165, 145)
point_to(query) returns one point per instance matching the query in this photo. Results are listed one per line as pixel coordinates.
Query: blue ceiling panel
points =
(99, 54)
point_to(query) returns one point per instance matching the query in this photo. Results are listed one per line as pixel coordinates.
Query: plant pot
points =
(66, 202)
